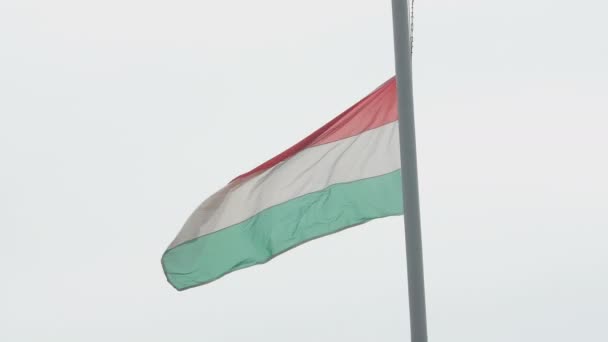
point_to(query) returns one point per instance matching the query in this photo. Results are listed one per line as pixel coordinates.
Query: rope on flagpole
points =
(412, 27)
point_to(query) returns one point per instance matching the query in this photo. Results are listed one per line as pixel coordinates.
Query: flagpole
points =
(409, 172)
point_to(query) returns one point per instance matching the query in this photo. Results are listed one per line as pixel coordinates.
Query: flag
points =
(342, 175)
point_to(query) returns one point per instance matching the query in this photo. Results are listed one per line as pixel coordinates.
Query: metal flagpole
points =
(409, 172)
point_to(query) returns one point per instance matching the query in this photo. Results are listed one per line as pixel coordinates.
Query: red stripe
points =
(375, 110)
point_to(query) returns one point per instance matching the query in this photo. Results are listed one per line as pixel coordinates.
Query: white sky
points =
(117, 118)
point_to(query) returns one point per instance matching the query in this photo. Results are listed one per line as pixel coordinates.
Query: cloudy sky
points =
(117, 118)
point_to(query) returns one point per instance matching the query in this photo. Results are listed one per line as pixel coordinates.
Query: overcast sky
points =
(117, 118)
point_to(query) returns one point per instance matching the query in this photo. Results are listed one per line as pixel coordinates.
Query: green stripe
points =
(282, 227)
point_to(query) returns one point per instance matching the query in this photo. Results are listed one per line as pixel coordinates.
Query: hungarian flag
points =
(342, 175)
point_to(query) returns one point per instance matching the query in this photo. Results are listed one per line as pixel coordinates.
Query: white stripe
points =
(369, 154)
